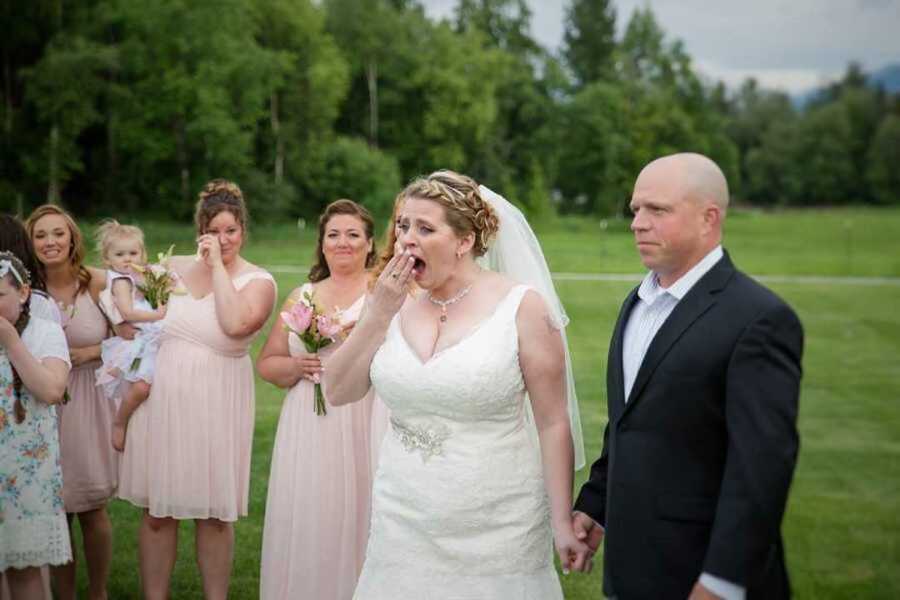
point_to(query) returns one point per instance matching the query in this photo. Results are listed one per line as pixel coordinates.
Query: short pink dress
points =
(320, 486)
(89, 462)
(188, 446)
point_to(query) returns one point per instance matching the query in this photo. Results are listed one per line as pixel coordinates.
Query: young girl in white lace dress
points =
(34, 367)
(128, 365)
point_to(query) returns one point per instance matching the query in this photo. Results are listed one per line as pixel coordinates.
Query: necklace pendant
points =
(443, 318)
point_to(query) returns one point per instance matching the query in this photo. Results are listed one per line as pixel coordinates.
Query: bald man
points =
(703, 378)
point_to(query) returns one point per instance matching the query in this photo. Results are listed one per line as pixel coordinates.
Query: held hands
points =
(209, 250)
(591, 534)
(574, 554)
(587, 530)
(390, 288)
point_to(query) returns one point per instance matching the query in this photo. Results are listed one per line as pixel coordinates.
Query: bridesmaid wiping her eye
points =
(188, 446)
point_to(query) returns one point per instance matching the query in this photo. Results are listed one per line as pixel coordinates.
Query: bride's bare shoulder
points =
(496, 285)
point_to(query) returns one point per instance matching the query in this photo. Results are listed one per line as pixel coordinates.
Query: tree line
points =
(121, 107)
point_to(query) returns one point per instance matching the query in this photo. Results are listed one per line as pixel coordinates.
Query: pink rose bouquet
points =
(316, 330)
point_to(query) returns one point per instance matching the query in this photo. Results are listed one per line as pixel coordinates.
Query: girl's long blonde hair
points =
(77, 251)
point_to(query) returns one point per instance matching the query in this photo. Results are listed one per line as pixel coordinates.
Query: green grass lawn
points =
(842, 528)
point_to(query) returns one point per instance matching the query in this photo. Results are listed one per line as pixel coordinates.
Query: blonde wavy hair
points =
(77, 250)
(111, 230)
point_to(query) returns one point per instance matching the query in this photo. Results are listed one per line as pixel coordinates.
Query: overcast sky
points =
(787, 44)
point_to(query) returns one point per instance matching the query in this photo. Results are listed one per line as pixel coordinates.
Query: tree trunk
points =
(279, 141)
(372, 80)
(53, 167)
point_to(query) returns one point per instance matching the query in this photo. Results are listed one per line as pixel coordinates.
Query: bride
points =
(474, 484)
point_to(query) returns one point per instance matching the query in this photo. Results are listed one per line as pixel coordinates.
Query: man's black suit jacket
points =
(696, 466)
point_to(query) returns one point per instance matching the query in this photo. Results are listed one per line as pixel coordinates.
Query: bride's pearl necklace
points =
(445, 303)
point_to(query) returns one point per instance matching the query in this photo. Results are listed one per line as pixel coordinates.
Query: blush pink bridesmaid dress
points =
(188, 446)
(89, 463)
(317, 509)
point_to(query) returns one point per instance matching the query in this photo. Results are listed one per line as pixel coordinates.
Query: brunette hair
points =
(20, 325)
(320, 270)
(111, 230)
(220, 195)
(14, 238)
(464, 208)
(77, 252)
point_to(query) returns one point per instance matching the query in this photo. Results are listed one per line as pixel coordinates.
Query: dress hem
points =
(161, 514)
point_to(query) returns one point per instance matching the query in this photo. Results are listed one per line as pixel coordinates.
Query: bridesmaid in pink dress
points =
(89, 464)
(188, 446)
(319, 500)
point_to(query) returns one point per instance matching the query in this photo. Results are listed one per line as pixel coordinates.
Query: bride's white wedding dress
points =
(459, 508)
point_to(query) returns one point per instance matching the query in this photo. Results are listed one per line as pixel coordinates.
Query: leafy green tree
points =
(751, 114)
(506, 23)
(773, 175)
(536, 197)
(364, 29)
(589, 40)
(597, 166)
(456, 90)
(825, 155)
(64, 87)
(309, 82)
(28, 28)
(519, 150)
(864, 109)
(883, 175)
(350, 168)
(194, 96)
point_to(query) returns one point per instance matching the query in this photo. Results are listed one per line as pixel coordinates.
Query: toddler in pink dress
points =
(128, 365)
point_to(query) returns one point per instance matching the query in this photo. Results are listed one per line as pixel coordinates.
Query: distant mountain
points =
(887, 77)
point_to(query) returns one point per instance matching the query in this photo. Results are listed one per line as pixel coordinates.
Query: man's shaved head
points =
(699, 178)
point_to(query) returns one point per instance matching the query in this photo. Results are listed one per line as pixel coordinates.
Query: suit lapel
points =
(696, 302)
(615, 388)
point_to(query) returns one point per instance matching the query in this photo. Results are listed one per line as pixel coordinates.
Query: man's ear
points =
(712, 216)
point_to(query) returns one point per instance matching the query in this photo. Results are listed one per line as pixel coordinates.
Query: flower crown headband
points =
(7, 267)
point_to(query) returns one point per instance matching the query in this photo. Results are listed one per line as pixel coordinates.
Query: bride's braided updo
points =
(465, 210)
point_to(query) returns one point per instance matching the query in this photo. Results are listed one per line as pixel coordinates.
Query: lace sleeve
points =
(46, 339)
(44, 307)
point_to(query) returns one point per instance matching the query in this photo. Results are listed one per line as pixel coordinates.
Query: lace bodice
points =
(476, 381)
